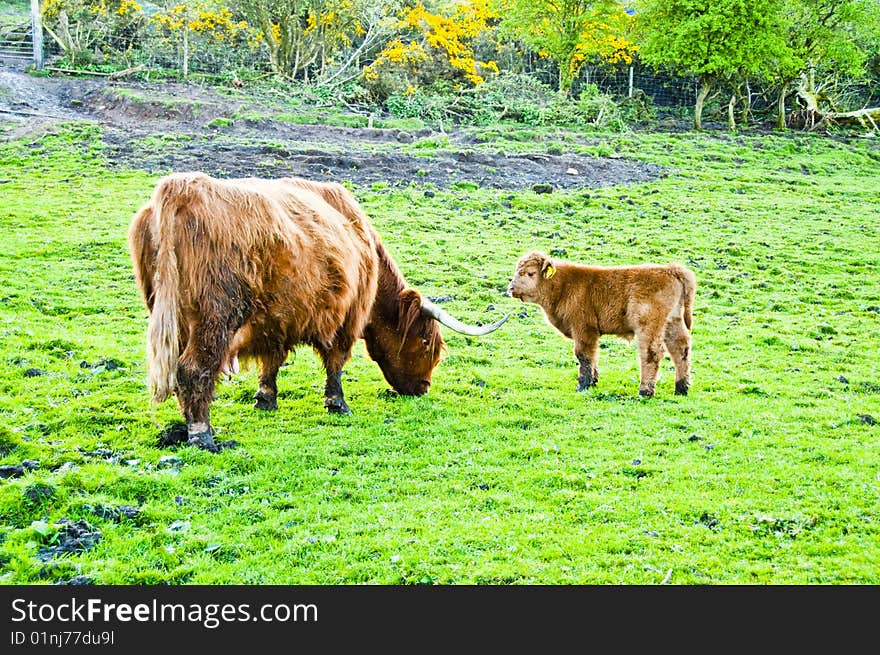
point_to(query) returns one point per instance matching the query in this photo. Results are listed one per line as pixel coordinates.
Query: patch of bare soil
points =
(245, 158)
(168, 127)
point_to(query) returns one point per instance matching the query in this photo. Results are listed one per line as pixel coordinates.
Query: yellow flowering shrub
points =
(217, 25)
(303, 38)
(442, 38)
(404, 56)
(80, 27)
(571, 32)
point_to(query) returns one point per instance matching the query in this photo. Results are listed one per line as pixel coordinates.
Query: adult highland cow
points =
(251, 268)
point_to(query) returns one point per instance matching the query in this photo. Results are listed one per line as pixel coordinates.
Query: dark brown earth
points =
(184, 127)
(72, 537)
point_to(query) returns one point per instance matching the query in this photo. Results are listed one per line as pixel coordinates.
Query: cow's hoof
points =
(681, 388)
(583, 387)
(203, 440)
(646, 393)
(336, 405)
(265, 401)
(173, 435)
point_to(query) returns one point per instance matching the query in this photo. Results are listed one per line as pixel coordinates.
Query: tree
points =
(828, 38)
(571, 32)
(715, 40)
(79, 26)
(301, 35)
(178, 23)
(375, 23)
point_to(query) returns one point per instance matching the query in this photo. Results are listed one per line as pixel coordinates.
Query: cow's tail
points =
(689, 287)
(163, 344)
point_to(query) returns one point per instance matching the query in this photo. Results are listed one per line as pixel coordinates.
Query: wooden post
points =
(37, 28)
(630, 95)
(185, 51)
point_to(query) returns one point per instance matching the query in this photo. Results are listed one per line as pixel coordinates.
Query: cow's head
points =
(531, 272)
(408, 348)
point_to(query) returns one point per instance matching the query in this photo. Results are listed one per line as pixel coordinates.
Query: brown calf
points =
(650, 302)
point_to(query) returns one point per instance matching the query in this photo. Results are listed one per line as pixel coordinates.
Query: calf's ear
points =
(547, 268)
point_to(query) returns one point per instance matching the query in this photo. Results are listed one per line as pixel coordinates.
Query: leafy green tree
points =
(828, 38)
(571, 32)
(715, 40)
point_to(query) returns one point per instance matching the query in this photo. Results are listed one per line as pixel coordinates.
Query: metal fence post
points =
(37, 28)
(630, 95)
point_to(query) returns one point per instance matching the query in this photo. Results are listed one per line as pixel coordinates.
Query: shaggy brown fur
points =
(650, 302)
(251, 268)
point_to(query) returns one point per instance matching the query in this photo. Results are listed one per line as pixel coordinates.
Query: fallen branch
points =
(127, 71)
(70, 71)
(811, 120)
(861, 116)
(115, 75)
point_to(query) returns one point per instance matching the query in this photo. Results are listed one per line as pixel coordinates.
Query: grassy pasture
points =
(767, 473)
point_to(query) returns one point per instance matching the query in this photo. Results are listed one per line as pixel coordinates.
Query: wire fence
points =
(198, 54)
(625, 81)
(201, 54)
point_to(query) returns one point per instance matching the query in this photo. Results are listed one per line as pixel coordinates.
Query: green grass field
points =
(767, 473)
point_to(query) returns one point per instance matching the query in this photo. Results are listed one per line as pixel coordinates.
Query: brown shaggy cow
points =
(250, 268)
(648, 301)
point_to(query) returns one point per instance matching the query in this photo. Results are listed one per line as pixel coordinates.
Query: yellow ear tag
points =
(550, 272)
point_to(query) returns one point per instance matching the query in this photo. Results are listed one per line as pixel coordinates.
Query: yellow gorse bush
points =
(95, 8)
(127, 7)
(449, 36)
(218, 25)
(396, 52)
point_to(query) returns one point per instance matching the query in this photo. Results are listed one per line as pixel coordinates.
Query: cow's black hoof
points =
(681, 388)
(203, 440)
(336, 405)
(173, 435)
(265, 401)
(646, 393)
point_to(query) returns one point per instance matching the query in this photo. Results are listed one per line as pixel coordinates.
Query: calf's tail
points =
(689, 286)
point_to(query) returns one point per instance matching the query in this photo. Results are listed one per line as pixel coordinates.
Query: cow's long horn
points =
(432, 310)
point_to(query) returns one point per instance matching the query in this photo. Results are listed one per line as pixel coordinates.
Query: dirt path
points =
(175, 127)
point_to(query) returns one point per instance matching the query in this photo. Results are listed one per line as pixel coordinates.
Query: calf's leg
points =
(678, 343)
(586, 350)
(651, 351)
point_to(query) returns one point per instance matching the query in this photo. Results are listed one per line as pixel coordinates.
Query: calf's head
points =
(532, 272)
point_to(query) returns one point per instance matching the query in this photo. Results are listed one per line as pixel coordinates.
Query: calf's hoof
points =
(336, 405)
(265, 401)
(203, 440)
(681, 387)
(646, 393)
